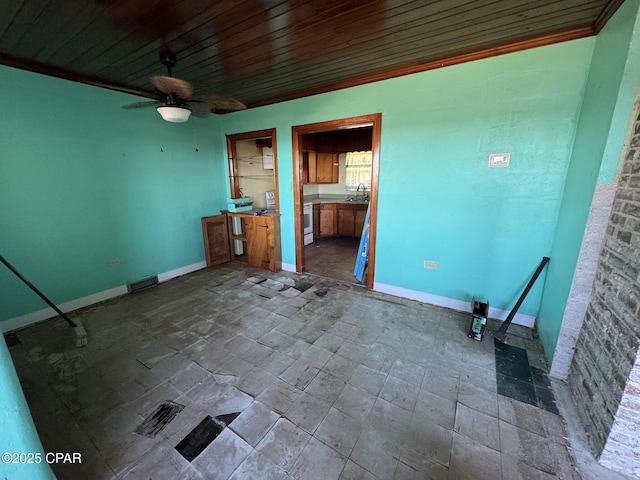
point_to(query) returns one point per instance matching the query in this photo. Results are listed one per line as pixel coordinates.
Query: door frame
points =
(232, 158)
(373, 120)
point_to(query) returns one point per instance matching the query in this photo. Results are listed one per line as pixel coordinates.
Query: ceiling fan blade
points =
(173, 86)
(221, 103)
(199, 109)
(148, 103)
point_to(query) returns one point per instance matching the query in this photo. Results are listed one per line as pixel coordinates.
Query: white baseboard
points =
(460, 305)
(288, 267)
(40, 315)
(178, 272)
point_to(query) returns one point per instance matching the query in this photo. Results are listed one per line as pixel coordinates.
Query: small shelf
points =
(242, 238)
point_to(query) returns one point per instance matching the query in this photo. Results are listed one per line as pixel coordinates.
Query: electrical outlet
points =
(114, 261)
(430, 265)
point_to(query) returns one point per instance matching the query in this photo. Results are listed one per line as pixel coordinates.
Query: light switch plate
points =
(499, 160)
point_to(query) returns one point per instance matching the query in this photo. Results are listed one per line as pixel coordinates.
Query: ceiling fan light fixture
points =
(174, 114)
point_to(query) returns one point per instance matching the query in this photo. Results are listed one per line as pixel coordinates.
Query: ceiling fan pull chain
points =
(195, 138)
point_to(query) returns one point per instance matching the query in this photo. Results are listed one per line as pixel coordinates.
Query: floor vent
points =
(142, 284)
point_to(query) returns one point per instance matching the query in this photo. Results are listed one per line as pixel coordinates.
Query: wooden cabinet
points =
(258, 251)
(327, 168)
(319, 167)
(351, 219)
(259, 237)
(346, 223)
(343, 219)
(316, 220)
(216, 240)
(328, 219)
(256, 239)
(360, 217)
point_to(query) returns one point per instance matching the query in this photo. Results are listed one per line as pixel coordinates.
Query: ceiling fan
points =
(176, 101)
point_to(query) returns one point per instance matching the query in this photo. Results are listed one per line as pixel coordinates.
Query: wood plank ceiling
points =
(263, 52)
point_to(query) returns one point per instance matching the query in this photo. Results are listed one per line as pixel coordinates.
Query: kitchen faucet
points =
(358, 190)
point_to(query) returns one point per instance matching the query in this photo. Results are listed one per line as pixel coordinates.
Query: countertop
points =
(252, 213)
(321, 200)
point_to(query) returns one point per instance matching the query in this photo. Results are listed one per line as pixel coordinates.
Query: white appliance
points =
(308, 223)
(271, 200)
(236, 229)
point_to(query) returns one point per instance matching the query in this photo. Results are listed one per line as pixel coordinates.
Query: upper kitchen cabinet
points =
(319, 167)
(320, 152)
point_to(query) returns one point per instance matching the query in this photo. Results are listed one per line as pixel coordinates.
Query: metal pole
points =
(40, 294)
(512, 313)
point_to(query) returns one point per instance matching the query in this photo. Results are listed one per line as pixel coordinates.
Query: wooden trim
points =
(298, 197)
(445, 62)
(233, 168)
(374, 120)
(342, 124)
(373, 200)
(41, 68)
(574, 34)
(606, 14)
(276, 188)
(232, 155)
(252, 135)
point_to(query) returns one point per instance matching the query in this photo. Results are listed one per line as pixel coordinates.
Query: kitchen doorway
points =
(319, 151)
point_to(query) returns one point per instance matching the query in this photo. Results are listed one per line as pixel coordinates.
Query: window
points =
(358, 170)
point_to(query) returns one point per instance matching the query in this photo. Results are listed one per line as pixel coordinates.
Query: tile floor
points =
(329, 381)
(333, 258)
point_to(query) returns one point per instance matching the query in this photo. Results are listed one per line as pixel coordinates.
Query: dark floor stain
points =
(206, 432)
(160, 418)
(11, 339)
(321, 293)
(199, 438)
(302, 284)
(518, 380)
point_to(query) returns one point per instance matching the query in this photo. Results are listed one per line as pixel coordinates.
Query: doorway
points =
(253, 168)
(325, 170)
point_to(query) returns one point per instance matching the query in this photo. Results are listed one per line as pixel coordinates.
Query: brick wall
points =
(608, 342)
(622, 450)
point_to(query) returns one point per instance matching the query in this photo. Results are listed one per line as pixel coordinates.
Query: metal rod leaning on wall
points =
(500, 335)
(78, 328)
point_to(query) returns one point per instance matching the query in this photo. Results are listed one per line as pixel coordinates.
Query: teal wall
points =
(438, 200)
(608, 99)
(84, 181)
(18, 432)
